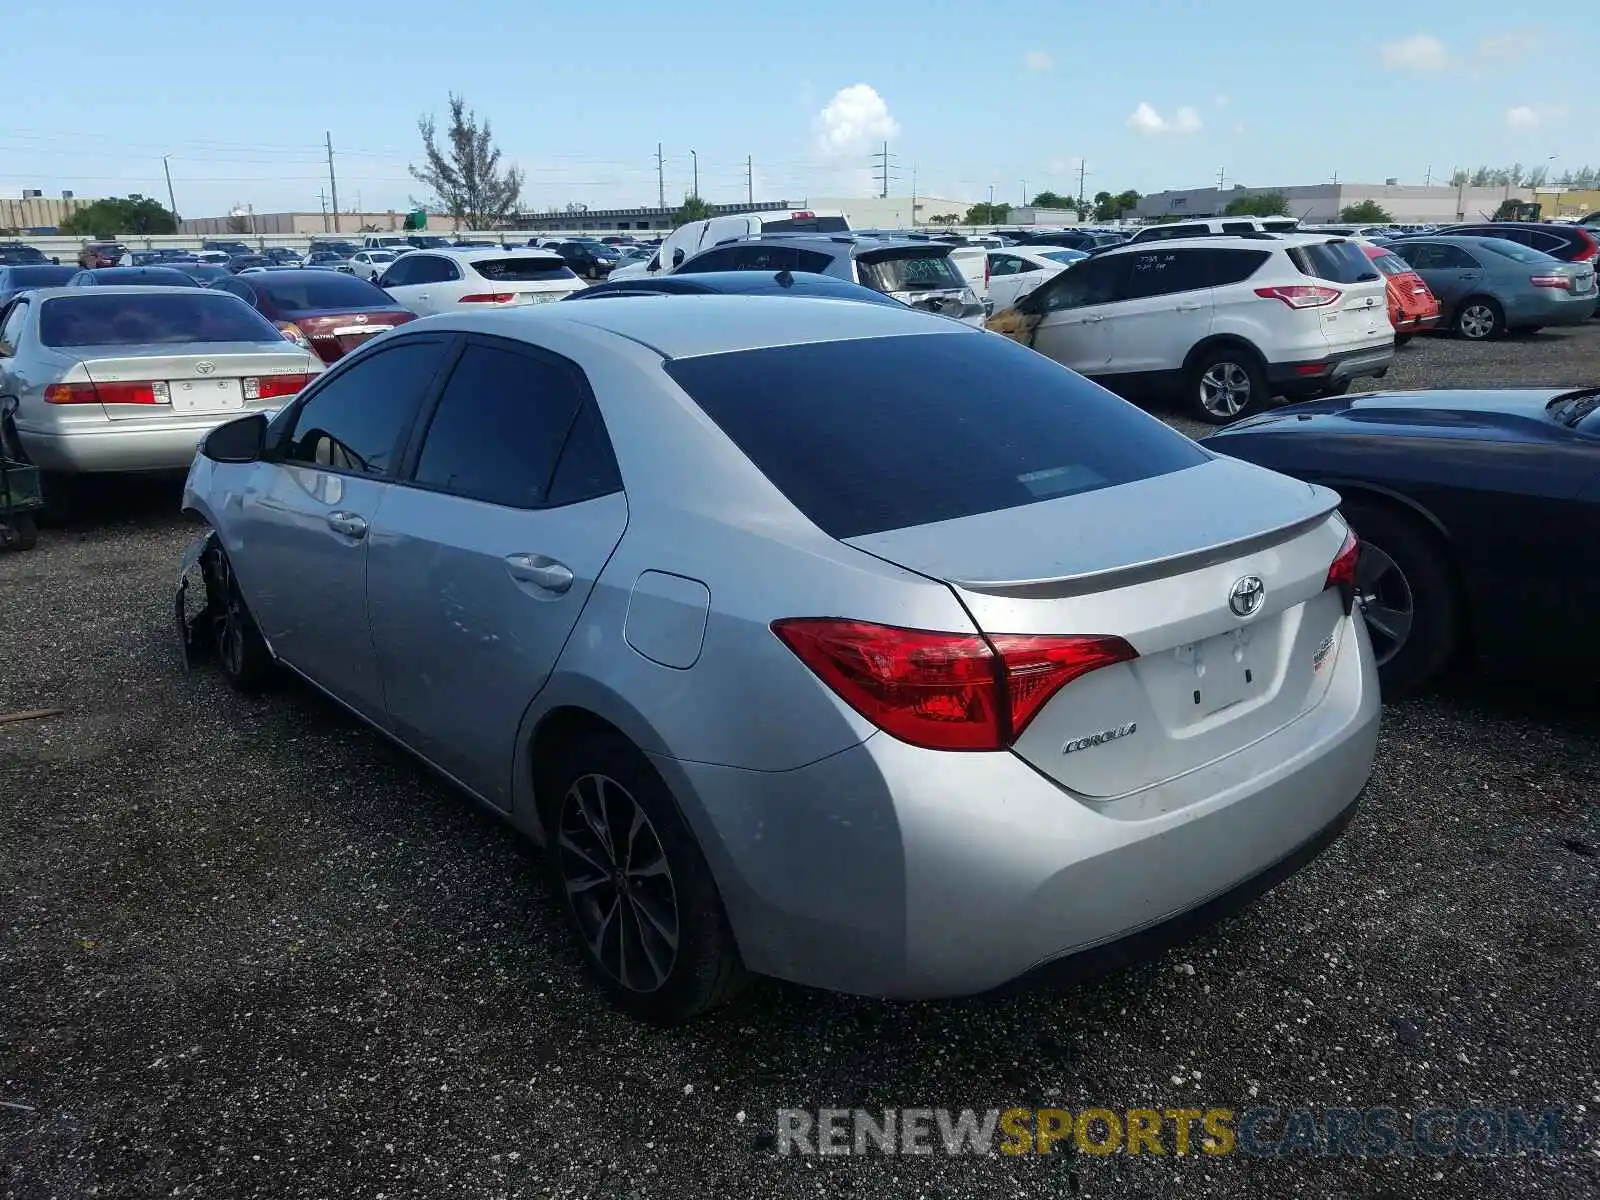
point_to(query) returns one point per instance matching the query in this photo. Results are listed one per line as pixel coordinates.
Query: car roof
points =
(118, 289)
(473, 253)
(746, 282)
(689, 326)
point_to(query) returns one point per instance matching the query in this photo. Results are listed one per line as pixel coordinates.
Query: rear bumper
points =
(1299, 380)
(1549, 306)
(161, 448)
(893, 871)
(1417, 324)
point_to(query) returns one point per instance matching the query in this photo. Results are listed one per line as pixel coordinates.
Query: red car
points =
(324, 311)
(1413, 308)
(101, 254)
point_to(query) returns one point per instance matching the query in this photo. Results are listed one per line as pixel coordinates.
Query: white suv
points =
(1227, 322)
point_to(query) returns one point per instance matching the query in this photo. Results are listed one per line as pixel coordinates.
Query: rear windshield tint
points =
(1337, 262)
(807, 225)
(911, 271)
(48, 276)
(311, 291)
(523, 270)
(872, 434)
(123, 319)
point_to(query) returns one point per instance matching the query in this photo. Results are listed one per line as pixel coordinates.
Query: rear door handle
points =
(1190, 307)
(1092, 320)
(546, 574)
(347, 523)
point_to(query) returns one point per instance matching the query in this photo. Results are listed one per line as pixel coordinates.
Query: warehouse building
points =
(1323, 202)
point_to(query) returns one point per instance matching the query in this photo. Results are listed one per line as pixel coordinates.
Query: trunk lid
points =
(334, 333)
(202, 381)
(1142, 562)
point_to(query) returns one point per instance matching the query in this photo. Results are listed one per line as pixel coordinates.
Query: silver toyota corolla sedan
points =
(131, 378)
(830, 641)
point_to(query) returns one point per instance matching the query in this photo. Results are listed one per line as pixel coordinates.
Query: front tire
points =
(1226, 384)
(1480, 319)
(241, 652)
(1407, 596)
(634, 885)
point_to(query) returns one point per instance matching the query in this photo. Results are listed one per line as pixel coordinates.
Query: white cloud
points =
(1038, 60)
(1150, 123)
(853, 120)
(1065, 166)
(1419, 52)
(1525, 116)
(1509, 46)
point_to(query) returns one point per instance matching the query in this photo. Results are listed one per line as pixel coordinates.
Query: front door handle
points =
(1092, 320)
(1189, 307)
(546, 574)
(347, 523)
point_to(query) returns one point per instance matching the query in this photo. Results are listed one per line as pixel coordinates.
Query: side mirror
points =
(239, 441)
(56, 261)
(677, 257)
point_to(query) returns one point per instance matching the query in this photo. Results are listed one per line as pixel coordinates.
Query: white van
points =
(690, 239)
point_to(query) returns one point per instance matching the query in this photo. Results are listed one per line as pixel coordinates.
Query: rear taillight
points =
(489, 298)
(1551, 281)
(293, 333)
(1342, 574)
(1591, 248)
(985, 270)
(107, 393)
(945, 691)
(269, 387)
(1301, 295)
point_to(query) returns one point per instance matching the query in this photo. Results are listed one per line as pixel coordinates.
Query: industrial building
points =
(34, 212)
(872, 212)
(1323, 202)
(306, 223)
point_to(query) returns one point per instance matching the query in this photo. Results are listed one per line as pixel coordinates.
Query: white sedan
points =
(369, 264)
(435, 281)
(1016, 270)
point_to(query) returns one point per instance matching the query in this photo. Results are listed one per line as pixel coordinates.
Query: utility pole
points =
(172, 203)
(750, 180)
(322, 198)
(333, 182)
(695, 158)
(1024, 193)
(882, 159)
(1427, 180)
(1222, 175)
(991, 197)
(1083, 171)
(913, 195)
(661, 178)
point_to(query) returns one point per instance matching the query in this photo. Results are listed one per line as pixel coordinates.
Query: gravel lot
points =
(249, 950)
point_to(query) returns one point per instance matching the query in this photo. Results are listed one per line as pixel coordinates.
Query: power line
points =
(885, 162)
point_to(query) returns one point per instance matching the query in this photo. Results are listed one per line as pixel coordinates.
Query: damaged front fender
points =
(192, 600)
(1015, 324)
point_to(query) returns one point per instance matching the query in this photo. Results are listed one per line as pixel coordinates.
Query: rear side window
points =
(311, 291)
(1238, 227)
(910, 271)
(499, 427)
(1164, 273)
(120, 319)
(529, 269)
(1515, 251)
(872, 434)
(1232, 266)
(1337, 262)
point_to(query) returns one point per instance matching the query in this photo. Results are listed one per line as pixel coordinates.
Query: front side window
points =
(1163, 273)
(11, 331)
(354, 422)
(499, 427)
(1093, 281)
(722, 259)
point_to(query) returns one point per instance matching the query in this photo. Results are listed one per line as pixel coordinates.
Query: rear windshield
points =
(523, 270)
(870, 434)
(21, 254)
(315, 290)
(142, 276)
(47, 276)
(1337, 262)
(1517, 251)
(1063, 256)
(911, 271)
(121, 319)
(1392, 264)
(807, 225)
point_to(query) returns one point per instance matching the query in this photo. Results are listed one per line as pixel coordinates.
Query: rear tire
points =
(19, 533)
(1226, 384)
(60, 495)
(1480, 319)
(637, 893)
(1407, 595)
(1400, 339)
(241, 652)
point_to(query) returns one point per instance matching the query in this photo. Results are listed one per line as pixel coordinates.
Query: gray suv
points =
(916, 273)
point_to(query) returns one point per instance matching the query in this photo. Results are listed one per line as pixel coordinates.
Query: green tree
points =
(988, 214)
(1112, 208)
(1367, 212)
(692, 209)
(465, 173)
(1261, 204)
(945, 219)
(1051, 200)
(110, 217)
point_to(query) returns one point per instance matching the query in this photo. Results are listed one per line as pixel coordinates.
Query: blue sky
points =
(1149, 94)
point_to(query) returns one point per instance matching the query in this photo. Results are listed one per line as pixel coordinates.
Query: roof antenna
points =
(784, 278)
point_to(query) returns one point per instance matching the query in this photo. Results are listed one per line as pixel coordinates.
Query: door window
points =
(588, 468)
(499, 426)
(1163, 273)
(356, 421)
(756, 257)
(721, 259)
(11, 331)
(432, 269)
(1006, 264)
(398, 273)
(1094, 281)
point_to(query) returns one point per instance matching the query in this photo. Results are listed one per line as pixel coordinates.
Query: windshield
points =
(1516, 251)
(311, 291)
(20, 254)
(382, 256)
(911, 271)
(528, 269)
(1572, 407)
(36, 276)
(121, 319)
(869, 434)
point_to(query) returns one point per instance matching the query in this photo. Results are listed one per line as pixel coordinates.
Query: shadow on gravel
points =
(112, 504)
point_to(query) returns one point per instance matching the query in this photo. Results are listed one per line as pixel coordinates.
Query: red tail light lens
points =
(107, 393)
(293, 333)
(270, 387)
(490, 298)
(1301, 295)
(1551, 281)
(1342, 574)
(1591, 248)
(945, 691)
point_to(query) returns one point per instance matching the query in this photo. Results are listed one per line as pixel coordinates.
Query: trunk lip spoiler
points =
(1061, 586)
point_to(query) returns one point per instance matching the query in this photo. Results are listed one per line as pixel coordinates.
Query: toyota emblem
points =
(205, 368)
(360, 318)
(1246, 595)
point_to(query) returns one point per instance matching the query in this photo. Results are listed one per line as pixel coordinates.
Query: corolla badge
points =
(204, 368)
(1246, 595)
(1101, 738)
